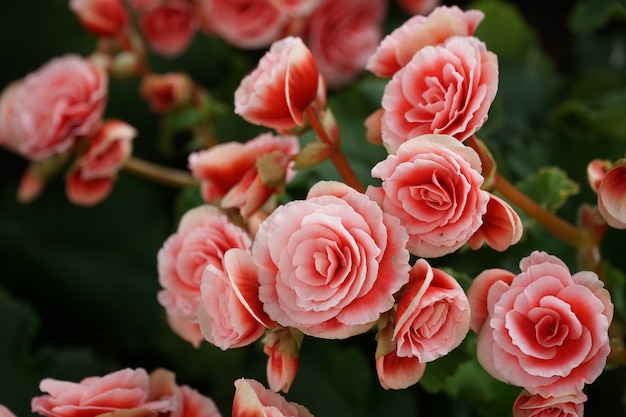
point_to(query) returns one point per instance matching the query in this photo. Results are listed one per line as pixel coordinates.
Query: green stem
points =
(159, 173)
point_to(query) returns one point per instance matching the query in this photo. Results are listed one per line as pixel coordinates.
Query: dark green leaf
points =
(550, 187)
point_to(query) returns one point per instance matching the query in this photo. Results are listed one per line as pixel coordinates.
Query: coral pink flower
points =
(329, 265)
(230, 313)
(204, 235)
(101, 17)
(418, 6)
(165, 92)
(122, 390)
(44, 113)
(282, 346)
(433, 185)
(342, 35)
(373, 127)
(248, 24)
(253, 399)
(280, 88)
(612, 195)
(501, 228)
(230, 171)
(296, 7)
(5, 412)
(90, 179)
(433, 314)
(397, 49)
(169, 27)
(528, 405)
(546, 330)
(445, 89)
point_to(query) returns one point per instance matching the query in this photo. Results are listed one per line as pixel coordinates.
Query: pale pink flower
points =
(203, 236)
(501, 228)
(44, 113)
(418, 6)
(444, 89)
(330, 265)
(612, 195)
(528, 405)
(230, 171)
(546, 330)
(101, 17)
(169, 26)
(278, 91)
(166, 92)
(433, 314)
(596, 170)
(342, 35)
(247, 24)
(5, 412)
(282, 347)
(253, 399)
(91, 178)
(126, 389)
(397, 49)
(432, 184)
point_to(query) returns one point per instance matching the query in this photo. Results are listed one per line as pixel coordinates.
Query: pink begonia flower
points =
(418, 6)
(278, 91)
(5, 412)
(101, 17)
(203, 236)
(528, 405)
(296, 8)
(612, 195)
(330, 265)
(282, 347)
(230, 171)
(444, 89)
(247, 24)
(342, 35)
(230, 314)
(596, 170)
(546, 330)
(477, 294)
(90, 179)
(169, 27)
(252, 399)
(432, 184)
(44, 113)
(501, 228)
(166, 92)
(127, 389)
(433, 314)
(398, 48)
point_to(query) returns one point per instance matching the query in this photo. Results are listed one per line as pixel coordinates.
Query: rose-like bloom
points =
(528, 405)
(501, 228)
(165, 92)
(432, 184)
(230, 313)
(342, 35)
(433, 314)
(397, 49)
(204, 235)
(445, 89)
(612, 195)
(330, 265)
(126, 389)
(253, 399)
(418, 6)
(90, 179)
(5, 412)
(545, 330)
(282, 346)
(296, 7)
(278, 91)
(248, 24)
(230, 171)
(101, 17)
(169, 27)
(44, 113)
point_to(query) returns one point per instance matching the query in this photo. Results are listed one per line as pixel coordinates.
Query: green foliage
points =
(590, 15)
(550, 187)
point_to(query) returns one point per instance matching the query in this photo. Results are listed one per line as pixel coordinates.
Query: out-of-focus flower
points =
(253, 399)
(528, 405)
(373, 131)
(330, 265)
(418, 6)
(397, 49)
(282, 344)
(233, 171)
(44, 113)
(278, 91)
(101, 17)
(596, 170)
(203, 236)
(169, 27)
(612, 195)
(501, 228)
(91, 178)
(432, 184)
(342, 35)
(545, 330)
(247, 24)
(166, 92)
(444, 89)
(5, 412)
(296, 8)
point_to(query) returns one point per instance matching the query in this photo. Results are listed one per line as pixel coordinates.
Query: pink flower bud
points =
(282, 345)
(101, 17)
(612, 195)
(501, 228)
(169, 27)
(165, 92)
(596, 170)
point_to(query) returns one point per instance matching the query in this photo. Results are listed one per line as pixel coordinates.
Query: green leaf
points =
(438, 371)
(550, 187)
(590, 15)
